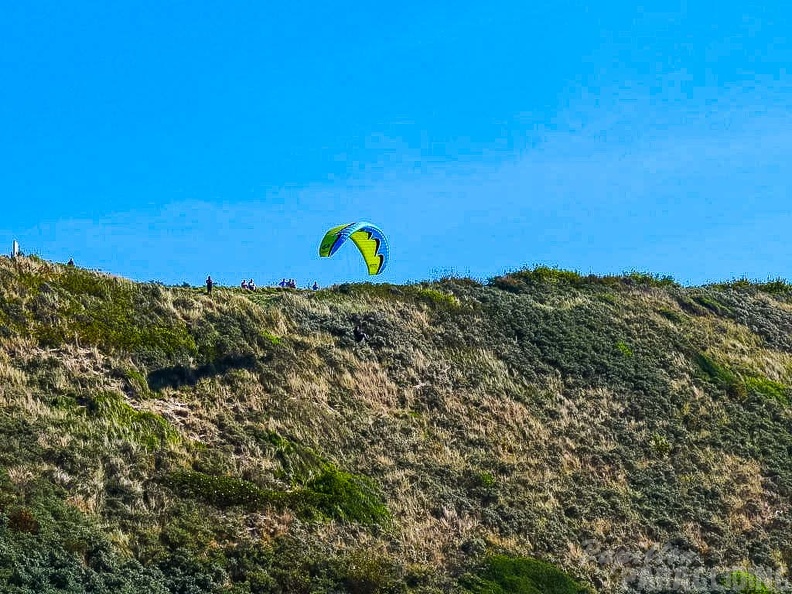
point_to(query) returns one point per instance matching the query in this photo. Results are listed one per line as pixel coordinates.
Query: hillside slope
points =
(544, 432)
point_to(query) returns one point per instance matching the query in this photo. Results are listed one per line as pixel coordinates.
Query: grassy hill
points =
(543, 432)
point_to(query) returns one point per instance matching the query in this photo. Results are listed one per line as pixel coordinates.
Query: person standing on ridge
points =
(209, 285)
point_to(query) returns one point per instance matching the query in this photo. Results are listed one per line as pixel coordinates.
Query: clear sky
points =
(171, 140)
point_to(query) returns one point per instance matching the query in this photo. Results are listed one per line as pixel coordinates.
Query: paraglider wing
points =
(332, 240)
(368, 238)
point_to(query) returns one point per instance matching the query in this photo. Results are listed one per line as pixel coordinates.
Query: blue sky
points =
(171, 140)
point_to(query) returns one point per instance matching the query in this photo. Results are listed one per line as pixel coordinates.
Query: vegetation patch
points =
(366, 572)
(519, 281)
(720, 375)
(744, 582)
(648, 279)
(437, 298)
(121, 315)
(343, 496)
(778, 287)
(269, 337)
(333, 494)
(739, 385)
(545, 275)
(48, 546)
(769, 389)
(298, 463)
(671, 315)
(221, 491)
(712, 305)
(431, 296)
(501, 574)
(124, 422)
(624, 348)
(660, 445)
(135, 380)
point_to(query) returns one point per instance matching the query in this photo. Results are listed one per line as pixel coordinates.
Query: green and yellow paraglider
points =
(368, 238)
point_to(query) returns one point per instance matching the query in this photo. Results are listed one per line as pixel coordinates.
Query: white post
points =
(14, 249)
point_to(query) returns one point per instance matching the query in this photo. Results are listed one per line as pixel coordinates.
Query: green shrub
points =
(343, 496)
(744, 582)
(269, 337)
(485, 479)
(135, 381)
(191, 527)
(515, 281)
(608, 298)
(738, 284)
(501, 574)
(660, 445)
(48, 546)
(767, 388)
(624, 348)
(437, 298)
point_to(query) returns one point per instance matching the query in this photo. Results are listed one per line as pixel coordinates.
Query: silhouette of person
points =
(360, 336)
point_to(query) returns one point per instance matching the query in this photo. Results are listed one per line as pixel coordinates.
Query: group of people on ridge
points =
(251, 286)
(290, 284)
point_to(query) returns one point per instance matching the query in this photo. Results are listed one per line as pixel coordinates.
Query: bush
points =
(501, 574)
(624, 348)
(744, 582)
(768, 389)
(343, 496)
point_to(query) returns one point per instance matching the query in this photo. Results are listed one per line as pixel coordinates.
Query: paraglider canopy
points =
(368, 238)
